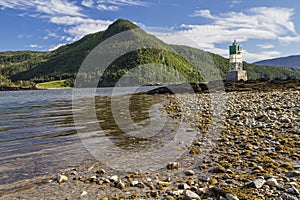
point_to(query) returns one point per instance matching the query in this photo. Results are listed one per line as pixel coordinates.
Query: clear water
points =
(38, 136)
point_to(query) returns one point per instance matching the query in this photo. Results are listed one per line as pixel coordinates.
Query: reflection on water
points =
(38, 136)
(139, 134)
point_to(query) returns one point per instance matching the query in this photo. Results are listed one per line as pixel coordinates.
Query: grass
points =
(52, 85)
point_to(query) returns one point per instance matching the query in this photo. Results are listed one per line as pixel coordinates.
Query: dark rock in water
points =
(181, 88)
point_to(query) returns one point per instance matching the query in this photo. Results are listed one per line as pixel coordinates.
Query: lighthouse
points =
(236, 71)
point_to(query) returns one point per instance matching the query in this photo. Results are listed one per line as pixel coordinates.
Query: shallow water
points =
(38, 136)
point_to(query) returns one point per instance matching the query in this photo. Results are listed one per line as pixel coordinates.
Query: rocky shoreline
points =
(254, 154)
(227, 86)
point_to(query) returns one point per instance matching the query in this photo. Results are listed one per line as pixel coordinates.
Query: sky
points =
(266, 29)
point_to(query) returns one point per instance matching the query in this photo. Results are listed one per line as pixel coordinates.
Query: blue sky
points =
(266, 29)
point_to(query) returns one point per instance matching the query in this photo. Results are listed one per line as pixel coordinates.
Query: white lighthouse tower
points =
(236, 71)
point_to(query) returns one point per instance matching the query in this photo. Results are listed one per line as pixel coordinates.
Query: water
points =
(38, 136)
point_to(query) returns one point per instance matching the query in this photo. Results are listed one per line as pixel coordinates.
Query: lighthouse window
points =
(240, 48)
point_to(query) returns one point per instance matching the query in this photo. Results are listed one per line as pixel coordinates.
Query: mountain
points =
(289, 61)
(145, 65)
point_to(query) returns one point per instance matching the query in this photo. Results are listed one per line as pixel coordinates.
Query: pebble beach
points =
(254, 154)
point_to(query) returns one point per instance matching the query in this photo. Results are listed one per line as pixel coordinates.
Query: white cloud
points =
(203, 13)
(261, 55)
(265, 46)
(45, 7)
(35, 46)
(111, 5)
(24, 36)
(58, 7)
(123, 2)
(85, 28)
(106, 7)
(289, 39)
(79, 26)
(67, 14)
(235, 2)
(261, 23)
(87, 3)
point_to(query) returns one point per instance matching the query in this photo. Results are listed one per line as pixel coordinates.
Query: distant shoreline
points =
(250, 85)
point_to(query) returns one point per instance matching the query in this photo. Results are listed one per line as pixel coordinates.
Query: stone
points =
(219, 169)
(84, 193)
(213, 181)
(154, 194)
(134, 183)
(257, 183)
(183, 186)
(120, 185)
(189, 195)
(204, 178)
(140, 185)
(114, 178)
(297, 167)
(148, 179)
(285, 196)
(93, 178)
(61, 178)
(177, 192)
(225, 176)
(189, 173)
(231, 197)
(169, 197)
(293, 173)
(267, 176)
(173, 165)
(101, 171)
(163, 183)
(293, 190)
(272, 182)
